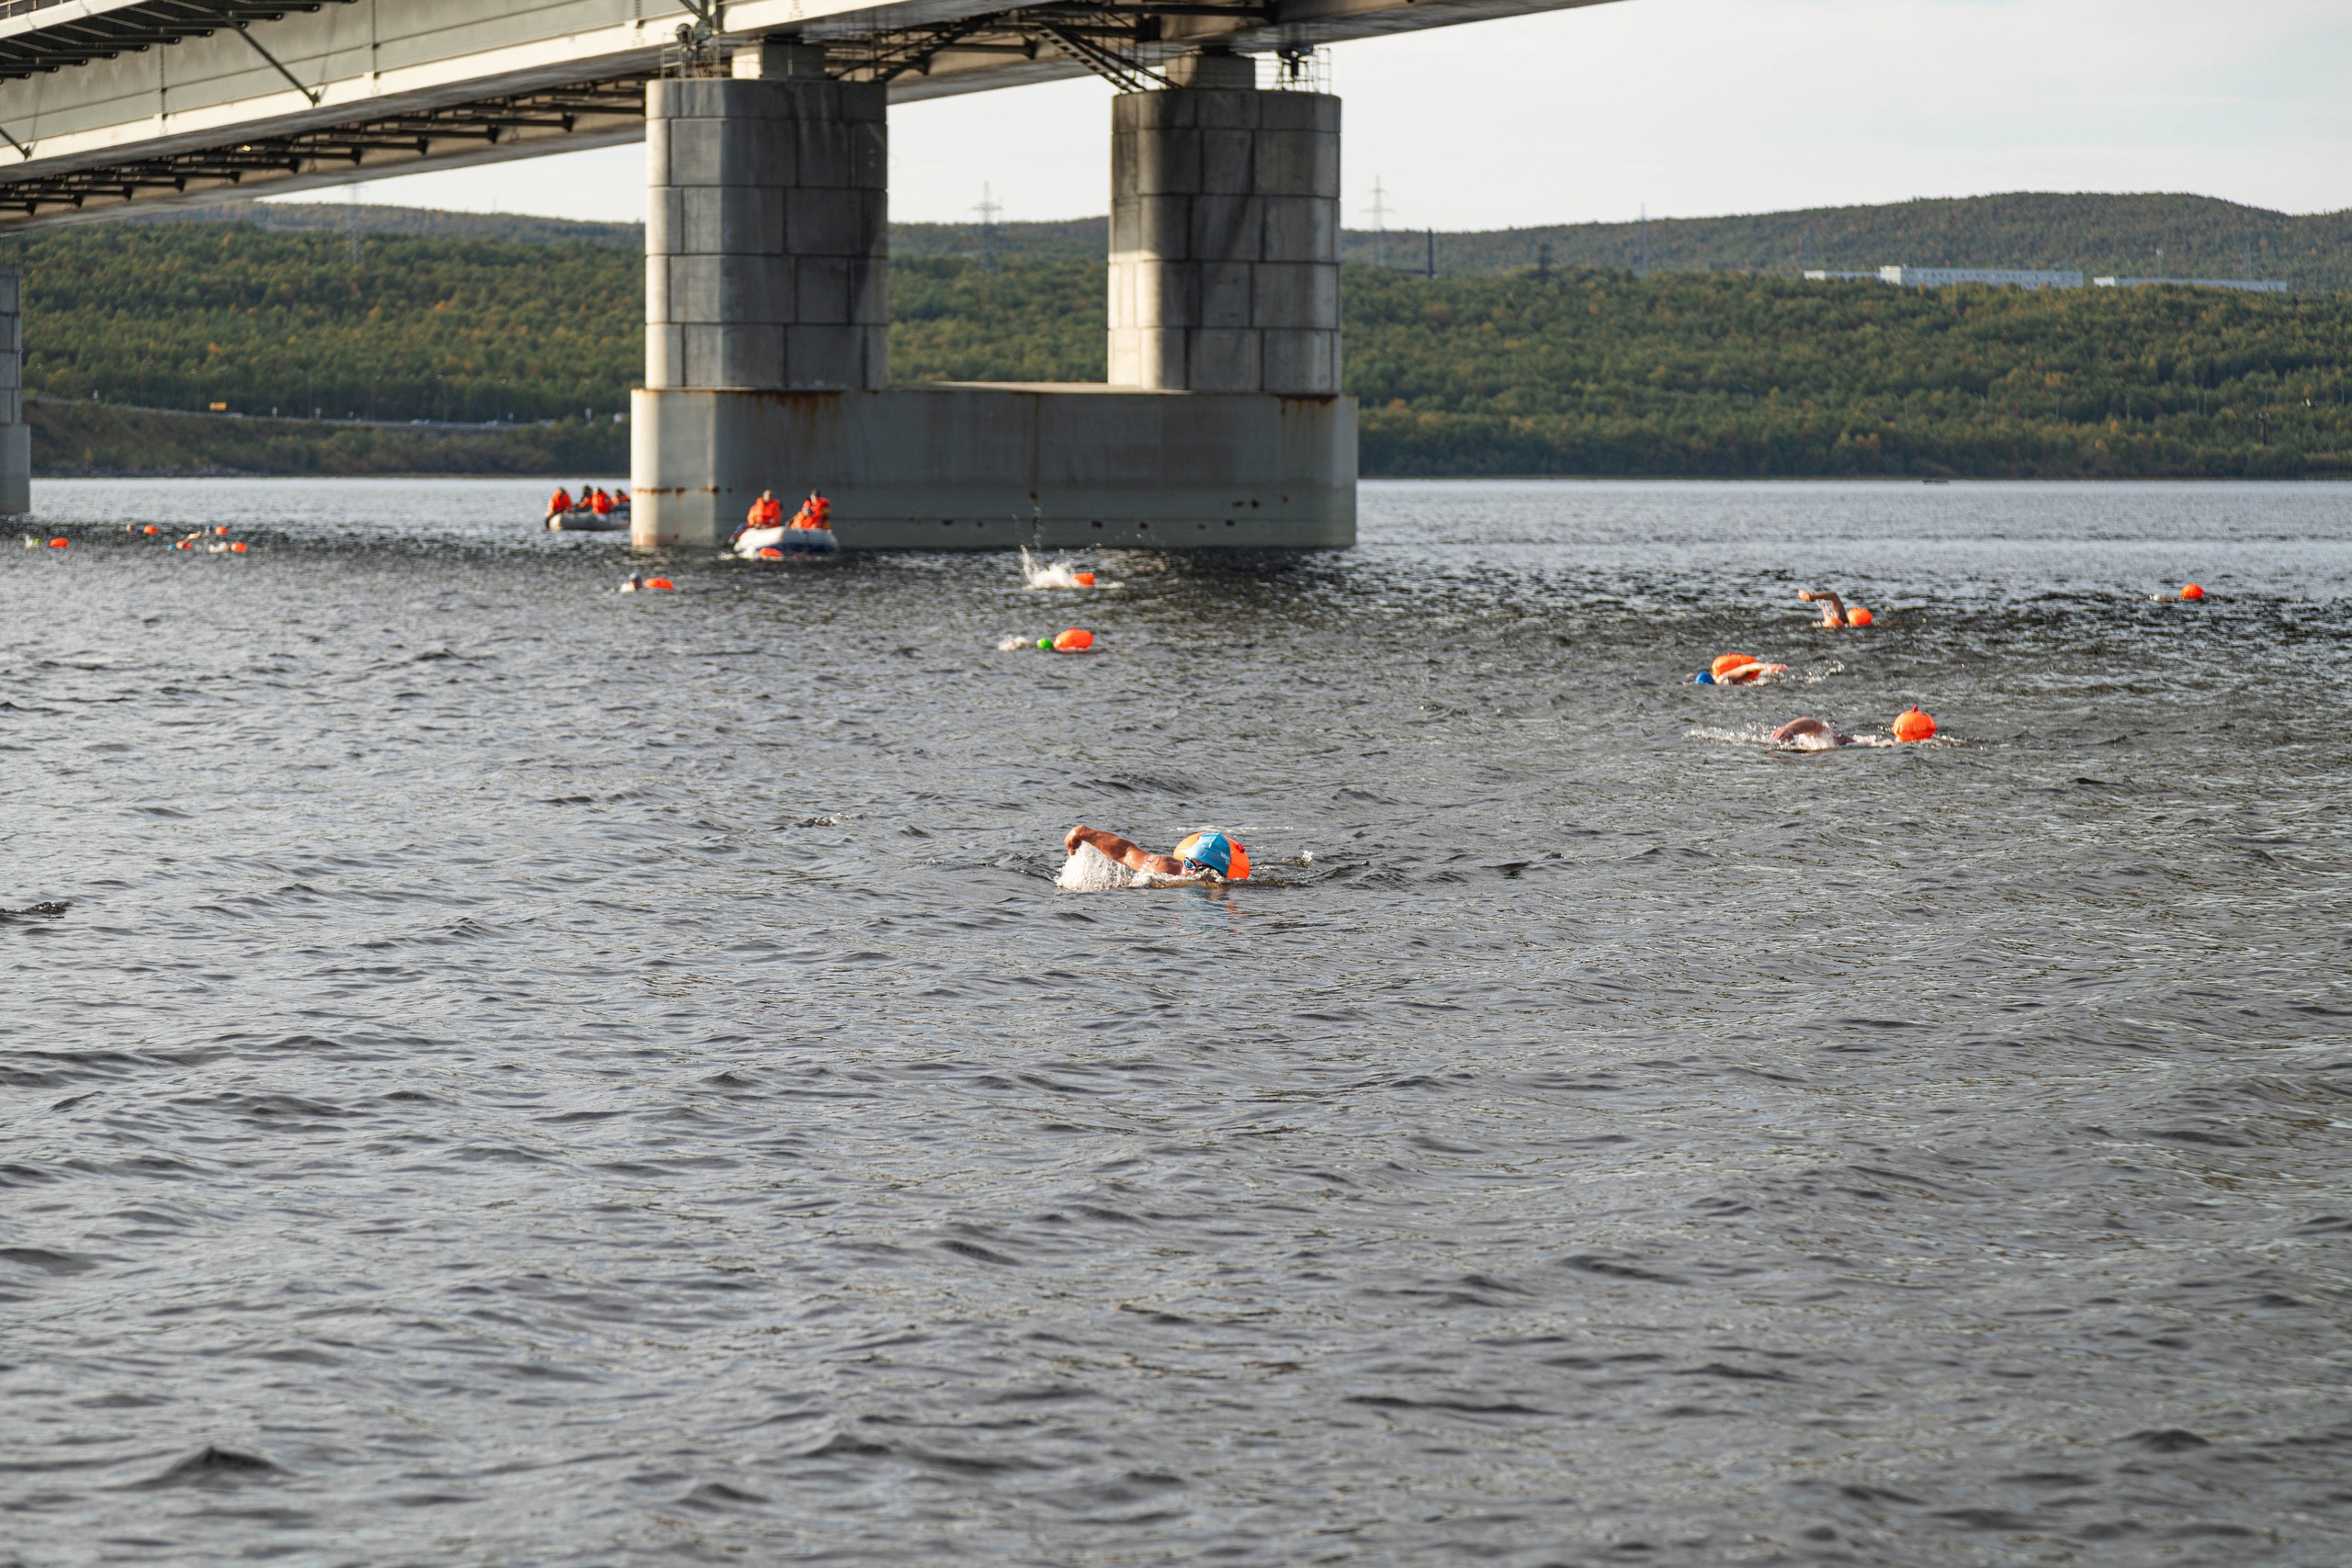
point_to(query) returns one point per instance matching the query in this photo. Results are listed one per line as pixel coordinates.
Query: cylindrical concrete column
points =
(1224, 235)
(768, 227)
(16, 437)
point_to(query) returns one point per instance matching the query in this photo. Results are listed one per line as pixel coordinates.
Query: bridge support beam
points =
(1224, 235)
(1222, 424)
(16, 436)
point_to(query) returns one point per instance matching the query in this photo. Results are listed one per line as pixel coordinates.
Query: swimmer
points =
(1737, 669)
(1206, 856)
(1811, 734)
(633, 584)
(1833, 609)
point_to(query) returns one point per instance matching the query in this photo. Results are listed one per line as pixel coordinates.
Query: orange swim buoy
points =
(769, 552)
(221, 529)
(238, 547)
(58, 542)
(1083, 578)
(1725, 663)
(1857, 616)
(151, 528)
(1077, 639)
(2192, 591)
(1913, 724)
(660, 582)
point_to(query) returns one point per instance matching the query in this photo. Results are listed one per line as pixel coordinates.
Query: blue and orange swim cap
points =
(1216, 851)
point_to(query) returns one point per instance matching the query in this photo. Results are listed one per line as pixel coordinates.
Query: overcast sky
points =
(1689, 107)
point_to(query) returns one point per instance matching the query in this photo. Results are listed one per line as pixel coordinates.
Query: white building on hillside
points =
(1942, 277)
(2249, 285)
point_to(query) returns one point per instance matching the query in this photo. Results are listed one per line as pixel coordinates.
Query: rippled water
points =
(526, 1074)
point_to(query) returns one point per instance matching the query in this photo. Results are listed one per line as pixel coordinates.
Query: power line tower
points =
(1543, 262)
(351, 221)
(1642, 243)
(1379, 225)
(989, 212)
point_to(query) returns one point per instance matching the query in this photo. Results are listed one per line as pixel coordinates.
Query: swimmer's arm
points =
(1127, 852)
(1835, 615)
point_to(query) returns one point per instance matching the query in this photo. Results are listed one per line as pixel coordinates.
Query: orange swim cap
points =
(2192, 591)
(1077, 639)
(1913, 724)
(1728, 662)
(1857, 616)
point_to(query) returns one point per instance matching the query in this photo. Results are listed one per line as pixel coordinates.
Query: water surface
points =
(529, 1074)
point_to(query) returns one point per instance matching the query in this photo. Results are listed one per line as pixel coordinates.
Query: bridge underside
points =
(767, 321)
(106, 104)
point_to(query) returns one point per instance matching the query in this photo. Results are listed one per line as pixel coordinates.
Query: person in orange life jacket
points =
(559, 502)
(767, 512)
(815, 513)
(602, 504)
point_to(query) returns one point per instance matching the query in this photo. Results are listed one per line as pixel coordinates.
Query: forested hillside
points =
(2178, 236)
(1586, 371)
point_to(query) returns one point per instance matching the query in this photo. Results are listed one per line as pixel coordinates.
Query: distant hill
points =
(2198, 236)
(1593, 370)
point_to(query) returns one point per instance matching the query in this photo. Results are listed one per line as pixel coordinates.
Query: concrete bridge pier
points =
(767, 269)
(1221, 425)
(16, 436)
(1224, 235)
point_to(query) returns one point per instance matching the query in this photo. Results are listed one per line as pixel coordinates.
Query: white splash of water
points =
(1056, 574)
(1089, 870)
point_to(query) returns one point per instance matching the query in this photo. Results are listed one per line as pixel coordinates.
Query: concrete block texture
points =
(1300, 363)
(1296, 162)
(16, 468)
(721, 290)
(1224, 228)
(665, 353)
(1300, 295)
(12, 408)
(1222, 360)
(1301, 229)
(831, 222)
(767, 234)
(981, 468)
(12, 291)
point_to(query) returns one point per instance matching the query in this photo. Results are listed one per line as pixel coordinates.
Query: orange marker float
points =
(1083, 578)
(60, 543)
(2192, 591)
(660, 582)
(238, 547)
(1913, 724)
(769, 552)
(151, 528)
(1077, 639)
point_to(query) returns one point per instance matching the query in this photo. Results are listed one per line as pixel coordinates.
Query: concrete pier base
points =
(991, 467)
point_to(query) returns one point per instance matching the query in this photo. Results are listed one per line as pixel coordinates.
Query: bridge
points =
(1222, 424)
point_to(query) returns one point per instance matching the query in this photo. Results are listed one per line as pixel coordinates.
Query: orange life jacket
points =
(563, 502)
(603, 504)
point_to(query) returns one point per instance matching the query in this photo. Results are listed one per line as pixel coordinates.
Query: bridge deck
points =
(108, 104)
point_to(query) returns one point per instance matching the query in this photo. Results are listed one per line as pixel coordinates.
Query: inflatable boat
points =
(584, 520)
(786, 541)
